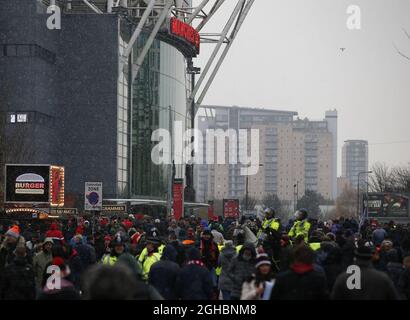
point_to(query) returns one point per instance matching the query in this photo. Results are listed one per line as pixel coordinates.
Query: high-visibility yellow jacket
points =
(314, 246)
(109, 260)
(147, 263)
(300, 228)
(238, 248)
(272, 224)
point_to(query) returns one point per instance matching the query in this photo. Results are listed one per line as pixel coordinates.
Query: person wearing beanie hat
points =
(209, 253)
(259, 286)
(54, 232)
(11, 241)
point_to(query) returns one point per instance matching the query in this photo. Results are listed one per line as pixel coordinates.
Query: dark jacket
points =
(297, 284)
(209, 253)
(241, 270)
(404, 284)
(17, 281)
(86, 253)
(164, 274)
(67, 292)
(224, 261)
(375, 285)
(194, 281)
(394, 271)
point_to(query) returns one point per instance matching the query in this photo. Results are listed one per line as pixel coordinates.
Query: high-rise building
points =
(291, 152)
(355, 159)
(331, 118)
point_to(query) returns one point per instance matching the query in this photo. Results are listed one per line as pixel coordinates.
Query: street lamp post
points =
(358, 189)
(247, 191)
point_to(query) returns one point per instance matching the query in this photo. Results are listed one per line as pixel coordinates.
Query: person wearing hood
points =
(224, 261)
(194, 281)
(41, 260)
(164, 274)
(85, 251)
(17, 280)
(302, 281)
(241, 269)
(210, 253)
(54, 233)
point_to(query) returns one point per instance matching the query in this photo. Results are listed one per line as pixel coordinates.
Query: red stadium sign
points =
(185, 31)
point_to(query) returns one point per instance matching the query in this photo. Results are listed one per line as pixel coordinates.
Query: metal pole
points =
(152, 36)
(358, 195)
(240, 21)
(246, 196)
(197, 10)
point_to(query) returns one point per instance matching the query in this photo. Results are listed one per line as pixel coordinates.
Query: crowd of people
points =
(141, 257)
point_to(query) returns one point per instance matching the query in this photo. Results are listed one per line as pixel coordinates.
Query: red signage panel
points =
(178, 198)
(231, 208)
(185, 31)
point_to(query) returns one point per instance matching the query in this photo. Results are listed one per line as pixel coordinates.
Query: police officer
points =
(270, 223)
(117, 249)
(301, 226)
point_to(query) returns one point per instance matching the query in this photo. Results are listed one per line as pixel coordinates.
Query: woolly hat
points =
(14, 232)
(262, 259)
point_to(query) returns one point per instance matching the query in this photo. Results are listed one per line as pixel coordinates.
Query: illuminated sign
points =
(30, 183)
(56, 186)
(34, 184)
(186, 32)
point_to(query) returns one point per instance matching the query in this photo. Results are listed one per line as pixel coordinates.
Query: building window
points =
(22, 117)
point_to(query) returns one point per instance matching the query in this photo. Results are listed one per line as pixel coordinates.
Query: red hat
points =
(58, 261)
(14, 231)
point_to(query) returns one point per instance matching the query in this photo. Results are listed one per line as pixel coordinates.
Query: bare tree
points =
(387, 179)
(250, 204)
(346, 203)
(399, 51)
(382, 179)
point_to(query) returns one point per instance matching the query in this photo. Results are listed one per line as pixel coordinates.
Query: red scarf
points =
(301, 268)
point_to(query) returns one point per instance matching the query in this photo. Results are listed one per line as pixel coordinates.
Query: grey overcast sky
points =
(287, 56)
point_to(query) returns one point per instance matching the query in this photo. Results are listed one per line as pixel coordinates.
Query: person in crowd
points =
(260, 285)
(12, 240)
(54, 233)
(404, 281)
(149, 256)
(164, 274)
(17, 280)
(195, 281)
(379, 234)
(301, 282)
(241, 268)
(209, 253)
(301, 225)
(225, 258)
(41, 260)
(117, 249)
(57, 286)
(372, 284)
